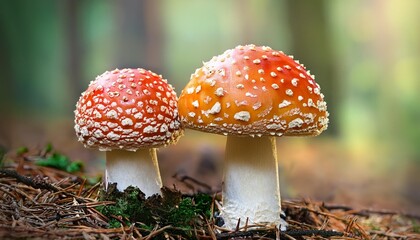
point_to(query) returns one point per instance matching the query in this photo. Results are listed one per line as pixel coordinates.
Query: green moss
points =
(416, 227)
(59, 161)
(181, 212)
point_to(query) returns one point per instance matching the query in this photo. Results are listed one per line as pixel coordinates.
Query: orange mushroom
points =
(252, 94)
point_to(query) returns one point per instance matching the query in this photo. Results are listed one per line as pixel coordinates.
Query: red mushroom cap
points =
(252, 90)
(127, 109)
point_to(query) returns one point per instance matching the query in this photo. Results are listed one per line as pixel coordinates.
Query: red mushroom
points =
(252, 94)
(129, 113)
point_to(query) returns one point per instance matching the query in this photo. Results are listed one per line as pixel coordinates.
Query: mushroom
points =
(252, 95)
(129, 113)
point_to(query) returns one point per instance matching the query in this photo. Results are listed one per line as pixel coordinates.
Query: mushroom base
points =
(251, 189)
(139, 169)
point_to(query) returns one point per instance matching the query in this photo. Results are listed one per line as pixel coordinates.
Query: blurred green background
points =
(365, 55)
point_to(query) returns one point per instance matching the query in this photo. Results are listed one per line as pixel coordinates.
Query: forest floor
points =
(40, 201)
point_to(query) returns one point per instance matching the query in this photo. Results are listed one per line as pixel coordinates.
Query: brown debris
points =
(38, 203)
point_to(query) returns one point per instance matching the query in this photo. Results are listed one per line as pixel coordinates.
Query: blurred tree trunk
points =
(154, 43)
(74, 41)
(140, 28)
(311, 44)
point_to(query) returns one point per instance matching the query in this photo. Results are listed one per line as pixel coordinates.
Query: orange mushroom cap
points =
(252, 90)
(127, 109)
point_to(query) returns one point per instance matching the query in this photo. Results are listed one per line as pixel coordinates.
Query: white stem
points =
(251, 182)
(138, 169)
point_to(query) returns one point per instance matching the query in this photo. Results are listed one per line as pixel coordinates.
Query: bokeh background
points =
(365, 55)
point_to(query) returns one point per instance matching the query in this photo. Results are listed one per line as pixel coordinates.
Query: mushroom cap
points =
(127, 109)
(256, 91)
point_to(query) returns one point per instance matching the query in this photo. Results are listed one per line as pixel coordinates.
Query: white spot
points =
(153, 102)
(274, 126)
(240, 86)
(112, 114)
(257, 61)
(310, 102)
(322, 106)
(275, 86)
(127, 122)
(207, 99)
(242, 116)
(195, 104)
(113, 136)
(163, 128)
(112, 125)
(84, 131)
(309, 118)
(302, 75)
(222, 72)
(212, 82)
(215, 109)
(191, 114)
(273, 74)
(149, 109)
(190, 90)
(219, 92)
(295, 81)
(238, 73)
(198, 89)
(296, 123)
(248, 94)
(138, 115)
(300, 98)
(323, 121)
(261, 71)
(289, 92)
(150, 129)
(310, 89)
(240, 103)
(283, 104)
(97, 114)
(256, 105)
(98, 134)
(316, 91)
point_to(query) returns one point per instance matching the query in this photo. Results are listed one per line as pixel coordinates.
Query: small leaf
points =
(21, 150)
(48, 148)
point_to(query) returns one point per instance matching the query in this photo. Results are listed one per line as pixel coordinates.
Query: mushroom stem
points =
(140, 169)
(251, 182)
